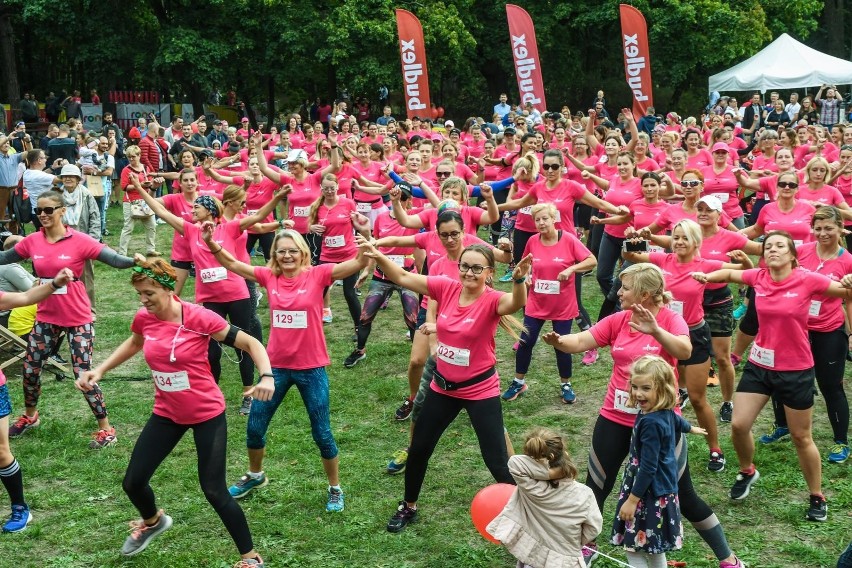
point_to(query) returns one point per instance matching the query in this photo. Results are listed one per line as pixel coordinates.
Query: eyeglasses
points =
(291, 252)
(788, 184)
(551, 167)
(690, 183)
(475, 268)
(450, 235)
(45, 210)
(443, 174)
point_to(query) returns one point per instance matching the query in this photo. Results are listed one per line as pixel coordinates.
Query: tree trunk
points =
(833, 22)
(11, 87)
(270, 101)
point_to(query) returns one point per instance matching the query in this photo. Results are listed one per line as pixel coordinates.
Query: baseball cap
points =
(509, 130)
(712, 202)
(244, 119)
(720, 147)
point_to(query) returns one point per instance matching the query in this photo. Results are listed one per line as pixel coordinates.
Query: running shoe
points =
(839, 453)
(327, 316)
(568, 394)
(141, 534)
(817, 509)
(404, 516)
(18, 520)
(740, 311)
(716, 462)
(777, 433)
(246, 485)
(245, 406)
(515, 390)
(712, 379)
(590, 553)
(726, 411)
(256, 562)
(742, 485)
(682, 398)
(334, 504)
(507, 277)
(23, 424)
(404, 410)
(590, 357)
(737, 563)
(397, 464)
(103, 439)
(354, 357)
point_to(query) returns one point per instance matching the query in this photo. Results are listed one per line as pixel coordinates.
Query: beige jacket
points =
(546, 526)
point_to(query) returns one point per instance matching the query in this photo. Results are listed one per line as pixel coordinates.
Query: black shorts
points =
(749, 324)
(720, 317)
(702, 346)
(794, 389)
(583, 216)
(182, 264)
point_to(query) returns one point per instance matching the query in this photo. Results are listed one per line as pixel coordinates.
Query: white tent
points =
(784, 64)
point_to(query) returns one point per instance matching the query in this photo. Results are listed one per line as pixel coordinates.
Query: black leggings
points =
(496, 228)
(439, 411)
(157, 440)
(829, 350)
(240, 313)
(519, 243)
(256, 328)
(611, 444)
(351, 297)
(265, 240)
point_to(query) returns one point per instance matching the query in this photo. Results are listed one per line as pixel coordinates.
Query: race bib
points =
(58, 291)
(251, 212)
(453, 355)
(216, 274)
(290, 319)
(798, 243)
(558, 217)
(723, 197)
(765, 357)
(676, 307)
(335, 242)
(546, 286)
(816, 306)
(526, 210)
(621, 400)
(171, 382)
(301, 211)
(397, 259)
(364, 207)
(655, 248)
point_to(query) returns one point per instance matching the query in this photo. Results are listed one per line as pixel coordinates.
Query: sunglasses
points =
(551, 167)
(788, 184)
(691, 183)
(443, 174)
(45, 210)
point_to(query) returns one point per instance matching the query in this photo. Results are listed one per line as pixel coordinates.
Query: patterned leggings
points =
(41, 344)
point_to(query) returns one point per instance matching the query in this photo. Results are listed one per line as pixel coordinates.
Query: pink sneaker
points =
(590, 357)
(736, 564)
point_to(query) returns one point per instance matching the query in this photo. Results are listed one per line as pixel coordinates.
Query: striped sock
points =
(13, 481)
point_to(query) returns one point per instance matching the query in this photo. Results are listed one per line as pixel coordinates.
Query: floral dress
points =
(656, 527)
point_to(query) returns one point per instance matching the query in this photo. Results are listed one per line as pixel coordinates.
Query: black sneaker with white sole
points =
(818, 509)
(742, 485)
(354, 357)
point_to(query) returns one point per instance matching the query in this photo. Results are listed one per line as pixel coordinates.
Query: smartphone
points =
(632, 245)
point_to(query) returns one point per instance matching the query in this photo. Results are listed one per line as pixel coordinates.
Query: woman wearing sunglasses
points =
(69, 310)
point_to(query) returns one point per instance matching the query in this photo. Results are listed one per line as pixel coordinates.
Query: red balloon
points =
(434, 112)
(440, 112)
(487, 504)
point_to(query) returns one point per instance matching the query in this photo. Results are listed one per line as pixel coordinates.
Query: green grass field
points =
(81, 512)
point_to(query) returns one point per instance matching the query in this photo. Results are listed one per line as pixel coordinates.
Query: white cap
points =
(712, 202)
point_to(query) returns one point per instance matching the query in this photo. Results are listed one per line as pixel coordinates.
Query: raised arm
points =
(267, 208)
(414, 282)
(158, 208)
(492, 213)
(597, 180)
(631, 126)
(333, 156)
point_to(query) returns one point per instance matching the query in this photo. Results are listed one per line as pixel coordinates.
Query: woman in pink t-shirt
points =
(215, 289)
(180, 204)
(297, 349)
(781, 359)
(644, 327)
(557, 256)
(841, 178)
(52, 248)
(721, 182)
(696, 156)
(468, 313)
(455, 189)
(334, 220)
(174, 336)
(816, 191)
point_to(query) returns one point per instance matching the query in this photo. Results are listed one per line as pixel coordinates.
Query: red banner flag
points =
(637, 58)
(525, 54)
(412, 53)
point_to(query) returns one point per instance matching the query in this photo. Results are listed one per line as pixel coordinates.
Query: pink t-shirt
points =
(430, 242)
(718, 246)
(769, 186)
(258, 195)
(644, 213)
(465, 338)
(622, 193)
(844, 186)
(296, 338)
(373, 172)
(299, 200)
(523, 218)
(648, 165)
(826, 195)
(510, 156)
(470, 215)
(184, 388)
(700, 160)
(386, 226)
(344, 179)
(675, 213)
(628, 345)
(826, 313)
(178, 205)
(563, 196)
(71, 307)
(782, 308)
(797, 222)
(338, 240)
(725, 186)
(548, 298)
(213, 282)
(687, 293)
